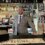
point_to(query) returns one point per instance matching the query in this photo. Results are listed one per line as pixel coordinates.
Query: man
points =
(21, 22)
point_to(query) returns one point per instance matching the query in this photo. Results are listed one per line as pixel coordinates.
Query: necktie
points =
(20, 18)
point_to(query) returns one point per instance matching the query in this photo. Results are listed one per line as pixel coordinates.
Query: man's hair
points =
(21, 7)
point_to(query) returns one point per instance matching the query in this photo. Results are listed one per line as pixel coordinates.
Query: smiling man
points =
(21, 22)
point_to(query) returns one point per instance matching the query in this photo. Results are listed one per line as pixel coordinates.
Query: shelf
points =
(5, 25)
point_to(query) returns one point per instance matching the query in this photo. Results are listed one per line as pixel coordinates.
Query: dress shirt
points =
(19, 18)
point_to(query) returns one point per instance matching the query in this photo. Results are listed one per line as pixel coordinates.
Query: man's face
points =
(20, 11)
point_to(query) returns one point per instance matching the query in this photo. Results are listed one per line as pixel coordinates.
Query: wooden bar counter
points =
(4, 32)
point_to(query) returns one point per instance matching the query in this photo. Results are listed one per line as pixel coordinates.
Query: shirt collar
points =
(20, 15)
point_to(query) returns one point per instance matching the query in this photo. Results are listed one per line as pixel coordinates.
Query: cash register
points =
(4, 29)
(5, 21)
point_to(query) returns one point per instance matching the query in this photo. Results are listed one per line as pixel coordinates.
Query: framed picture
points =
(40, 6)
